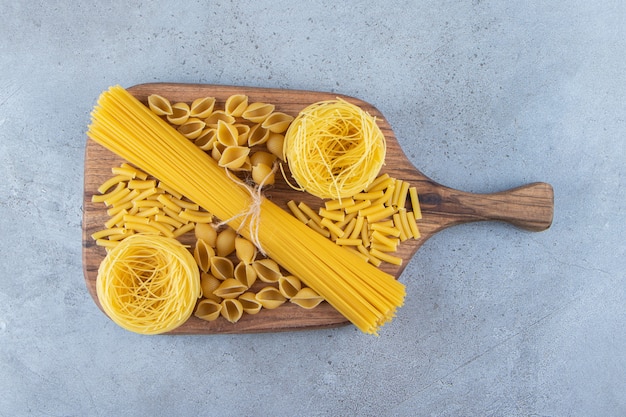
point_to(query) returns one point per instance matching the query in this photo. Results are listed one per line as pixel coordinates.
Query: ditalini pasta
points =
(148, 284)
(365, 295)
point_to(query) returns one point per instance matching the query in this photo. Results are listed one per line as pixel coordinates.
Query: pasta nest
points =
(148, 284)
(334, 149)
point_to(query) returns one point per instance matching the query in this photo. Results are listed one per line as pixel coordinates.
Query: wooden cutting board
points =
(529, 207)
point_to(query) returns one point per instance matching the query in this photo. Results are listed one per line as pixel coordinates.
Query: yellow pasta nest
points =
(148, 284)
(334, 149)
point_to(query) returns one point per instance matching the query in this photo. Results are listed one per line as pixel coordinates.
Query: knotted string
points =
(251, 216)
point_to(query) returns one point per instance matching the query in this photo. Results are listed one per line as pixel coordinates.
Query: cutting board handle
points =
(530, 207)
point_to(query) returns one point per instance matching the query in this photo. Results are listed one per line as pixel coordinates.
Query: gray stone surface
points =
(483, 96)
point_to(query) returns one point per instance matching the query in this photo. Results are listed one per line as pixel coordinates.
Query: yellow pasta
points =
(230, 288)
(206, 232)
(202, 107)
(245, 250)
(270, 298)
(289, 285)
(245, 273)
(222, 268)
(209, 283)
(148, 284)
(249, 303)
(277, 122)
(234, 157)
(236, 104)
(258, 112)
(160, 105)
(267, 270)
(275, 144)
(307, 298)
(417, 213)
(232, 310)
(192, 128)
(179, 115)
(225, 242)
(217, 116)
(258, 135)
(334, 149)
(203, 253)
(365, 295)
(208, 310)
(196, 216)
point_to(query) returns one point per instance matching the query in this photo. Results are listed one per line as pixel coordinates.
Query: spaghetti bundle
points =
(148, 284)
(334, 149)
(365, 295)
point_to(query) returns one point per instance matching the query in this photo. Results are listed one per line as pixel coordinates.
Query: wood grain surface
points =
(529, 207)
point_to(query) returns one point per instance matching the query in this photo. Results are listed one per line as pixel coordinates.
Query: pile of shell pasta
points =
(247, 140)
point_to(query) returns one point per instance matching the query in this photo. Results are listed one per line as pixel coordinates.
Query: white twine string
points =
(252, 216)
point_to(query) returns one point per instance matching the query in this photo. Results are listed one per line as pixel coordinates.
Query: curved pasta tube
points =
(159, 105)
(208, 310)
(267, 270)
(232, 310)
(270, 298)
(236, 104)
(202, 107)
(307, 298)
(230, 288)
(249, 303)
(289, 285)
(277, 122)
(222, 268)
(258, 112)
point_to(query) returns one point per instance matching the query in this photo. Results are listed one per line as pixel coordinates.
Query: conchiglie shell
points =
(258, 135)
(277, 122)
(159, 105)
(234, 157)
(180, 114)
(192, 128)
(270, 298)
(245, 167)
(208, 310)
(218, 115)
(222, 268)
(203, 253)
(275, 143)
(227, 134)
(202, 107)
(289, 286)
(236, 104)
(307, 298)
(225, 242)
(209, 283)
(245, 274)
(263, 174)
(243, 131)
(216, 152)
(249, 303)
(267, 270)
(206, 139)
(262, 157)
(245, 250)
(232, 310)
(230, 288)
(206, 232)
(258, 112)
